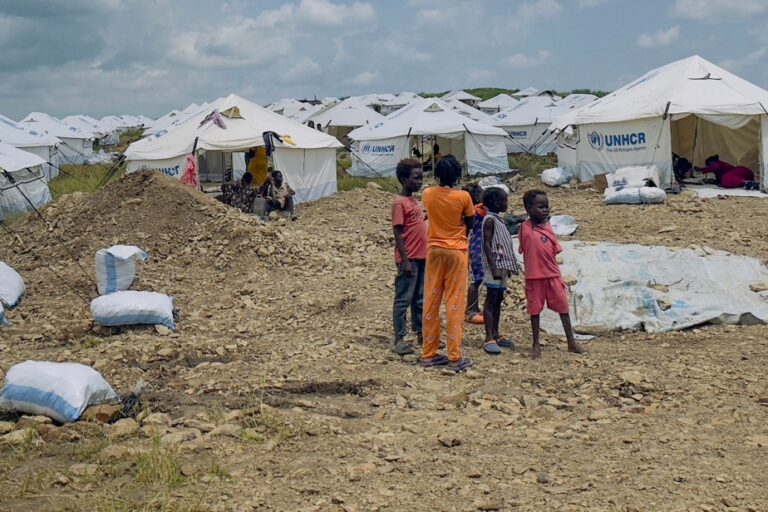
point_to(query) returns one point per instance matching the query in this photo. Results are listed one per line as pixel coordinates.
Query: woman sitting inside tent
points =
(728, 176)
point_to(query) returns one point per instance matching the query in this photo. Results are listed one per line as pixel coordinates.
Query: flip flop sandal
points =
(476, 319)
(438, 360)
(460, 365)
(491, 348)
(402, 348)
(504, 342)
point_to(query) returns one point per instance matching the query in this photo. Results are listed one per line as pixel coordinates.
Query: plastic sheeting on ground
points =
(711, 191)
(563, 225)
(657, 289)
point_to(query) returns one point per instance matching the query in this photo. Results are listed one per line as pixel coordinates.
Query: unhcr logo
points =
(377, 149)
(616, 142)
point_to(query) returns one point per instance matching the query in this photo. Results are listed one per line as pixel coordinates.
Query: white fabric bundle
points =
(11, 290)
(555, 177)
(116, 267)
(133, 308)
(61, 391)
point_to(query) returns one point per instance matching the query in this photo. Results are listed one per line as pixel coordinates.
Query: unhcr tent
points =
(21, 181)
(464, 96)
(339, 120)
(76, 144)
(690, 107)
(302, 113)
(381, 146)
(527, 123)
(497, 104)
(468, 111)
(309, 165)
(106, 136)
(528, 91)
(32, 141)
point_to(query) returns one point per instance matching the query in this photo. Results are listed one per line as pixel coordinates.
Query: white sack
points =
(11, 286)
(563, 225)
(638, 176)
(622, 195)
(619, 287)
(555, 177)
(116, 267)
(61, 391)
(652, 195)
(133, 308)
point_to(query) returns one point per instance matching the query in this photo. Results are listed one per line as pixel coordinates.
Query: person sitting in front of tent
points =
(728, 176)
(278, 196)
(241, 194)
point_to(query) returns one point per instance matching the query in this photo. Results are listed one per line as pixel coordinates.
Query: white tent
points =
(302, 113)
(76, 144)
(106, 136)
(145, 121)
(497, 104)
(527, 123)
(528, 91)
(21, 181)
(32, 141)
(469, 99)
(401, 100)
(468, 111)
(381, 146)
(280, 105)
(690, 107)
(339, 120)
(121, 123)
(309, 165)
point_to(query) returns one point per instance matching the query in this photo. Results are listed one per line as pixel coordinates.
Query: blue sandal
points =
(460, 365)
(438, 360)
(505, 343)
(491, 348)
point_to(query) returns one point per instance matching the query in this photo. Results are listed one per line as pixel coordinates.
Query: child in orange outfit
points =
(543, 281)
(451, 215)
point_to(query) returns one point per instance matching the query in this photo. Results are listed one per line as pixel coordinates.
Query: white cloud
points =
(589, 4)
(659, 38)
(718, 10)
(405, 52)
(520, 60)
(364, 79)
(749, 60)
(302, 69)
(480, 76)
(327, 13)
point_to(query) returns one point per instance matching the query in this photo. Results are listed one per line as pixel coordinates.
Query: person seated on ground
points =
(682, 169)
(241, 194)
(277, 194)
(728, 176)
(257, 165)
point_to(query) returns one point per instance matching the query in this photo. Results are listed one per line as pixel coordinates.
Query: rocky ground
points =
(278, 392)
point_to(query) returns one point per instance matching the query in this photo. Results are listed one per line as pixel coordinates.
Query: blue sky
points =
(101, 57)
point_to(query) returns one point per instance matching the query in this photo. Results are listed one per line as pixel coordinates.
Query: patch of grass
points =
(262, 421)
(86, 342)
(530, 166)
(159, 466)
(87, 450)
(29, 447)
(345, 182)
(345, 162)
(217, 413)
(219, 472)
(79, 178)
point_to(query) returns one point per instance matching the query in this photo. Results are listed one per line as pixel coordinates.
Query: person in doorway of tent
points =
(728, 176)
(499, 263)
(543, 281)
(319, 126)
(311, 124)
(256, 165)
(430, 160)
(242, 194)
(451, 216)
(682, 168)
(473, 314)
(410, 232)
(278, 196)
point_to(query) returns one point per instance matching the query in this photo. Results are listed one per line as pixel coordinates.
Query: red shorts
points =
(551, 290)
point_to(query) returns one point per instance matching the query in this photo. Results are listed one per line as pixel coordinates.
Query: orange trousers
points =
(445, 280)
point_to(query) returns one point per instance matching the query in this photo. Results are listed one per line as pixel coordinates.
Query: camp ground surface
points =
(278, 392)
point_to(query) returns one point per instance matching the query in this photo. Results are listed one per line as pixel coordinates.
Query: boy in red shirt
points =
(543, 281)
(410, 255)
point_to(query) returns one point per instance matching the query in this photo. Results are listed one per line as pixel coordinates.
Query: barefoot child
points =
(451, 216)
(543, 281)
(499, 263)
(410, 254)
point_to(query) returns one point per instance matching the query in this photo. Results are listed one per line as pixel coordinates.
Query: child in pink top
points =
(543, 281)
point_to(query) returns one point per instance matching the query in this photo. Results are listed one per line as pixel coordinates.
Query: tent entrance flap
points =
(215, 166)
(736, 142)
